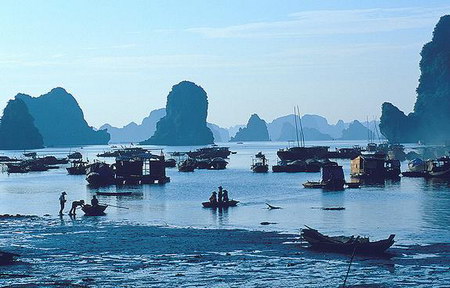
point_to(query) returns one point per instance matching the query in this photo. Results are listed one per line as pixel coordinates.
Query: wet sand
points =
(96, 252)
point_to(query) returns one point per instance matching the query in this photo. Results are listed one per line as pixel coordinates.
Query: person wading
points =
(62, 202)
(75, 204)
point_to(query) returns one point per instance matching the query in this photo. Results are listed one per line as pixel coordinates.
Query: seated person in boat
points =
(213, 198)
(225, 196)
(94, 201)
(75, 204)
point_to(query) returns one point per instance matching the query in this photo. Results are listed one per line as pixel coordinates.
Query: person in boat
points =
(62, 202)
(225, 196)
(213, 198)
(94, 201)
(75, 205)
(220, 196)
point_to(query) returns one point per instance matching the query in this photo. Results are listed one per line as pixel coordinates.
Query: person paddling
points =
(62, 202)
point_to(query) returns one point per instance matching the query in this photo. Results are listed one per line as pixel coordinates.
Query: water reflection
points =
(219, 216)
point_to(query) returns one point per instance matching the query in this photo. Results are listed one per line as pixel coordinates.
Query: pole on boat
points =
(116, 206)
(296, 126)
(350, 264)
(301, 127)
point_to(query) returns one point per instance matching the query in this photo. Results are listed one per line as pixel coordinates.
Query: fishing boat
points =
(416, 168)
(439, 168)
(374, 166)
(345, 244)
(187, 165)
(210, 152)
(301, 152)
(90, 210)
(230, 203)
(217, 163)
(332, 178)
(170, 163)
(75, 155)
(114, 193)
(260, 164)
(290, 167)
(78, 167)
(345, 153)
(7, 257)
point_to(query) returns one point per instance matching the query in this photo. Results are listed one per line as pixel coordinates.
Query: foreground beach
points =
(93, 252)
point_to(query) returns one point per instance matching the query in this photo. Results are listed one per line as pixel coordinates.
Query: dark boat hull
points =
(114, 193)
(260, 168)
(7, 257)
(230, 203)
(325, 243)
(94, 210)
(303, 153)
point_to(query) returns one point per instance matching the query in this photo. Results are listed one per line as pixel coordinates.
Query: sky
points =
(338, 59)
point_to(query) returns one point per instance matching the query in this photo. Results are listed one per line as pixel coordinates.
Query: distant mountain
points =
(319, 124)
(234, 129)
(60, 120)
(256, 130)
(357, 131)
(185, 120)
(17, 129)
(220, 134)
(135, 132)
(310, 134)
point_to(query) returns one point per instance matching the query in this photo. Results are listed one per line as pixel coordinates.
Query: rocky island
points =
(256, 130)
(431, 116)
(17, 129)
(185, 120)
(60, 120)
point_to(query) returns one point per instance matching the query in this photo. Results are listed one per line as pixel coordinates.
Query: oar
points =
(116, 206)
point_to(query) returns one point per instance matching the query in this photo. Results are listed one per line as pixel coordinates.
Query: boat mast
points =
(301, 128)
(296, 127)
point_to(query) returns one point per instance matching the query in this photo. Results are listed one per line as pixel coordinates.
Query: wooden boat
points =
(332, 178)
(90, 210)
(114, 193)
(260, 164)
(230, 203)
(344, 244)
(7, 257)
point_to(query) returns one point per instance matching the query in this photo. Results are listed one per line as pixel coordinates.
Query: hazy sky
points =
(339, 59)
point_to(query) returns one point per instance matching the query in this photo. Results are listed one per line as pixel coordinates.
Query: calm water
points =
(417, 211)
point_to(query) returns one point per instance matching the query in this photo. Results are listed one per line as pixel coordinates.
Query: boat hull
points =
(324, 243)
(94, 210)
(230, 203)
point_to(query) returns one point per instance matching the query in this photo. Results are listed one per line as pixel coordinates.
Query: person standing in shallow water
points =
(62, 202)
(75, 204)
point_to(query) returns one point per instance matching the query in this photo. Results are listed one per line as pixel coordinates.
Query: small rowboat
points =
(90, 210)
(114, 193)
(343, 244)
(230, 203)
(7, 257)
